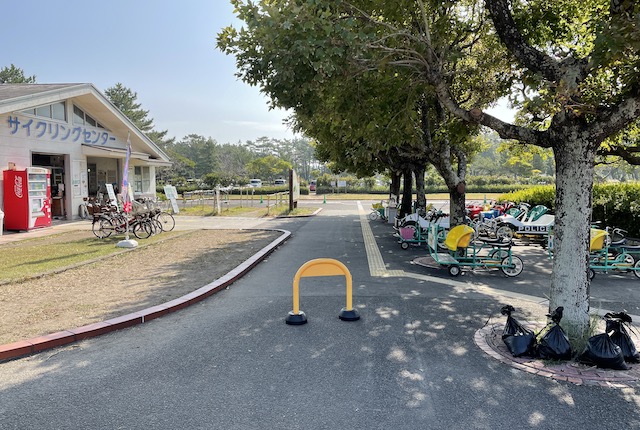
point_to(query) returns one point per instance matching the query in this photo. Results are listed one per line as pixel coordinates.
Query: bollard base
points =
(127, 243)
(349, 315)
(296, 319)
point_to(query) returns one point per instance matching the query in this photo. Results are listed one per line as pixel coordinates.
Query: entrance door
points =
(55, 163)
(92, 176)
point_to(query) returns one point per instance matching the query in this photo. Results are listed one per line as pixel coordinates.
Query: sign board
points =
(112, 194)
(294, 189)
(172, 194)
(342, 184)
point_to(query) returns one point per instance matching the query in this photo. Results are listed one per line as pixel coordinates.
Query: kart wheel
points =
(504, 232)
(628, 259)
(410, 223)
(636, 269)
(513, 269)
(592, 274)
(374, 215)
(442, 236)
(404, 245)
(454, 270)
(498, 254)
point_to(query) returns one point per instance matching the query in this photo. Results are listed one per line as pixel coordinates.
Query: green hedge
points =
(352, 190)
(618, 205)
(614, 205)
(470, 188)
(256, 191)
(535, 195)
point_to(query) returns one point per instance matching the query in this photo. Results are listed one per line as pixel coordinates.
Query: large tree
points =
(579, 73)
(302, 55)
(573, 67)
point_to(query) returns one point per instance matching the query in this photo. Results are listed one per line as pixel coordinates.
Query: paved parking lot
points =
(231, 362)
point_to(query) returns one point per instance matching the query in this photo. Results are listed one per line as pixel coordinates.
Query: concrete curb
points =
(38, 344)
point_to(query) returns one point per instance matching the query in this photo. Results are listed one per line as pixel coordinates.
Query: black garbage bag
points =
(519, 340)
(619, 335)
(553, 343)
(602, 352)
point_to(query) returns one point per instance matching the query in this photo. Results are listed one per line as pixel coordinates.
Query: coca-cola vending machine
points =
(27, 198)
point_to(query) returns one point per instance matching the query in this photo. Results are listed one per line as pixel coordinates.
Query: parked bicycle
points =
(141, 224)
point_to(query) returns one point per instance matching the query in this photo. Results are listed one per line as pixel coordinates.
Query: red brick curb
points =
(489, 339)
(37, 344)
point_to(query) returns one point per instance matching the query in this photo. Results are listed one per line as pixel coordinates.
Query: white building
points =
(77, 133)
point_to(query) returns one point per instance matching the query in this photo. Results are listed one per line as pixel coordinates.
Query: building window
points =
(141, 179)
(53, 111)
(81, 118)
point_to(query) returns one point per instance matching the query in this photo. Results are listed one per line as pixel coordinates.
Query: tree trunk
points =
(421, 198)
(407, 194)
(456, 205)
(394, 191)
(569, 280)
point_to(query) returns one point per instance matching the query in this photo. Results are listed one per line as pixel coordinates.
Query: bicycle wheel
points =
(142, 229)
(157, 226)
(166, 220)
(102, 228)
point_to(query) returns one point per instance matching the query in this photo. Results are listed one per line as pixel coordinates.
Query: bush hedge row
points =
(256, 191)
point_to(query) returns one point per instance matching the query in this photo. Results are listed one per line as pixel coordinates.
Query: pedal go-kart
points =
(618, 242)
(414, 229)
(411, 235)
(603, 258)
(462, 251)
(378, 211)
(534, 227)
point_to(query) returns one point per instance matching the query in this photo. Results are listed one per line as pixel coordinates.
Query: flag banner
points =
(126, 195)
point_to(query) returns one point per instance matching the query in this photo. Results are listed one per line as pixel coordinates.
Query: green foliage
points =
(618, 205)
(15, 75)
(268, 168)
(537, 195)
(221, 179)
(125, 100)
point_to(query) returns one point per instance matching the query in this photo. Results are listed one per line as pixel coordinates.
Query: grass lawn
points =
(20, 260)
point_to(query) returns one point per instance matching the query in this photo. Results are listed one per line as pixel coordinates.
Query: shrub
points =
(535, 195)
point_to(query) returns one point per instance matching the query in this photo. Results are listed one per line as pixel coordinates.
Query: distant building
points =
(77, 133)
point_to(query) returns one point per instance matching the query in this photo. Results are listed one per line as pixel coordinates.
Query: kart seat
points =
(536, 213)
(514, 212)
(597, 239)
(458, 237)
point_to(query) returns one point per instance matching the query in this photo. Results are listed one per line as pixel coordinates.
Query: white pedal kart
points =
(535, 227)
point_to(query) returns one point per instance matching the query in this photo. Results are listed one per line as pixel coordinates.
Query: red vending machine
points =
(27, 198)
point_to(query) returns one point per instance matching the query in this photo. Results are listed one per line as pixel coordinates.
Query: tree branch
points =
(570, 69)
(614, 119)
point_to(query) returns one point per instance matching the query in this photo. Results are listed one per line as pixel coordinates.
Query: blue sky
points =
(162, 50)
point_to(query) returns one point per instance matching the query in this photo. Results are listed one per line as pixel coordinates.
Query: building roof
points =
(18, 97)
(8, 92)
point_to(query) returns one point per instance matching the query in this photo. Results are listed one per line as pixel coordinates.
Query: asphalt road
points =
(231, 362)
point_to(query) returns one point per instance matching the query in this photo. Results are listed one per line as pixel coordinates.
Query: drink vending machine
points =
(27, 198)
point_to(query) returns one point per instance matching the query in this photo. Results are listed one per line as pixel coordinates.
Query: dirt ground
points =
(124, 283)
